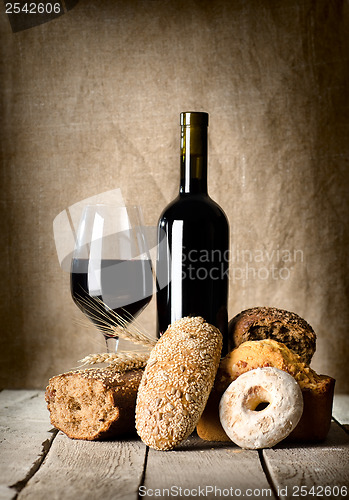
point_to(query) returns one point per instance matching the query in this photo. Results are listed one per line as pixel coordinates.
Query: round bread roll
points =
(287, 327)
(177, 382)
(253, 428)
(262, 353)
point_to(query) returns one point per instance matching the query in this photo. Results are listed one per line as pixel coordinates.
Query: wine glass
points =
(111, 271)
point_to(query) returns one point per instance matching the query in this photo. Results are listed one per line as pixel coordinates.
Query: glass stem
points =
(112, 344)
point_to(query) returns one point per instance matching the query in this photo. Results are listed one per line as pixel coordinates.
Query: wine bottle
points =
(193, 241)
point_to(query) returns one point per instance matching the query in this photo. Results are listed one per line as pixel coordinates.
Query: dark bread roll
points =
(261, 323)
(97, 403)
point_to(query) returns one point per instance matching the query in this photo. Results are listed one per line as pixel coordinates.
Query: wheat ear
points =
(120, 361)
(115, 325)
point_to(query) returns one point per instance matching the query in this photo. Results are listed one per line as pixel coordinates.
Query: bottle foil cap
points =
(194, 119)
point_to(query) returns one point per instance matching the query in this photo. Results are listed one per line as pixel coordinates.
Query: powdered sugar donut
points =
(251, 427)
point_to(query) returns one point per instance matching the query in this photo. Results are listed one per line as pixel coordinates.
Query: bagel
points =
(253, 428)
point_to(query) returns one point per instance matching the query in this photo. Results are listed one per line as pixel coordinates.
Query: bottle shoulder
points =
(196, 206)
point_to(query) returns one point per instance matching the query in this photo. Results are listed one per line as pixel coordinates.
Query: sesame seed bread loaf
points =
(97, 403)
(177, 382)
(317, 389)
(287, 327)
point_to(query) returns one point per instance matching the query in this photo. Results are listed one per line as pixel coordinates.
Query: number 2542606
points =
(320, 491)
(33, 8)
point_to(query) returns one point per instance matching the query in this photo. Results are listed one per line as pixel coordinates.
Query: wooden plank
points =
(88, 470)
(26, 434)
(341, 409)
(213, 467)
(319, 465)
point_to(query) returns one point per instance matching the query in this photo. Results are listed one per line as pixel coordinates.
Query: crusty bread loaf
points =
(317, 411)
(287, 327)
(97, 403)
(317, 389)
(177, 382)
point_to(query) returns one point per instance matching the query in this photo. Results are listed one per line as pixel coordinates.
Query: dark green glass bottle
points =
(193, 241)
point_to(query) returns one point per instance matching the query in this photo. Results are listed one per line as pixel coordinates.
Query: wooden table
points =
(37, 462)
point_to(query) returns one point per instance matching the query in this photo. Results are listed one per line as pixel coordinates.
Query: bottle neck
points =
(193, 160)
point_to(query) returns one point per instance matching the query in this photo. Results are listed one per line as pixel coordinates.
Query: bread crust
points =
(317, 411)
(177, 382)
(259, 323)
(96, 403)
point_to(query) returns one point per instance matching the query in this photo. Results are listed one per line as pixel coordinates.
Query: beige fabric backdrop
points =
(91, 101)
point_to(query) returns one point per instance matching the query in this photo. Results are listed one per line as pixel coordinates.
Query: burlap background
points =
(91, 101)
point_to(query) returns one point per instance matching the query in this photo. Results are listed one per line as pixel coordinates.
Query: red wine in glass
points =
(121, 293)
(111, 273)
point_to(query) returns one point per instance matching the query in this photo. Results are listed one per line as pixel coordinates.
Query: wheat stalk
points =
(121, 361)
(114, 325)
